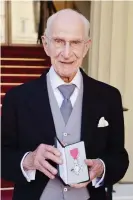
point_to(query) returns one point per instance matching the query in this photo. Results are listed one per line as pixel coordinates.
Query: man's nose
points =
(67, 50)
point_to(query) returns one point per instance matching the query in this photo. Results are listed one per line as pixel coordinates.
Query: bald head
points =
(68, 17)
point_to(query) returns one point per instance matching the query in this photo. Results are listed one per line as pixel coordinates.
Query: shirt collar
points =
(56, 81)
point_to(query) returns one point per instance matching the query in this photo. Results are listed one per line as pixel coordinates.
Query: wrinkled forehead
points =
(68, 27)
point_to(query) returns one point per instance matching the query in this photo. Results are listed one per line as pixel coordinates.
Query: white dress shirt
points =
(56, 81)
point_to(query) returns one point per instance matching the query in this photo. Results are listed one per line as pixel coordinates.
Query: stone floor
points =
(123, 192)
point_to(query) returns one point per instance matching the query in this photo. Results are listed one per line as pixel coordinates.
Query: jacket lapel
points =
(88, 110)
(39, 103)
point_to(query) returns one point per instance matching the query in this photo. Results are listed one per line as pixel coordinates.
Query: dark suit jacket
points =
(27, 122)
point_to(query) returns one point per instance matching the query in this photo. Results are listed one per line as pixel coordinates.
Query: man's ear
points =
(87, 46)
(45, 44)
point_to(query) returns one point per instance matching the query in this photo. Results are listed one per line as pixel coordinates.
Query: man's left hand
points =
(96, 169)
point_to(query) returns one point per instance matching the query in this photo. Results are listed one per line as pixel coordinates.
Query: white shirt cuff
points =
(28, 174)
(96, 182)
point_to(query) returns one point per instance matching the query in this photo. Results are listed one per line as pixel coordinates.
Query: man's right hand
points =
(38, 160)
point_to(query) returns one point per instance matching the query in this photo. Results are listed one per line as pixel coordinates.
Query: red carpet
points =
(6, 195)
(20, 64)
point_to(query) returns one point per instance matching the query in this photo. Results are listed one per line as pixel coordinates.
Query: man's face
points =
(66, 45)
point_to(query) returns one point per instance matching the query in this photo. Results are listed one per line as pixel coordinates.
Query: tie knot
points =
(66, 90)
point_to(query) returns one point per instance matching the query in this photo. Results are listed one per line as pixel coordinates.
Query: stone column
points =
(111, 56)
(118, 44)
(128, 89)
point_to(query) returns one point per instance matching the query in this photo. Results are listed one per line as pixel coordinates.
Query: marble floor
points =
(123, 192)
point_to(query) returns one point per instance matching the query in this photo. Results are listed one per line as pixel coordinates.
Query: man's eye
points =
(76, 42)
(58, 40)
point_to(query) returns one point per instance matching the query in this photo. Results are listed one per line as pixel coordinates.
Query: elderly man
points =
(66, 103)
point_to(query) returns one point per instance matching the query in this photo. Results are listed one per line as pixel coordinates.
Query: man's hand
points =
(37, 160)
(96, 169)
